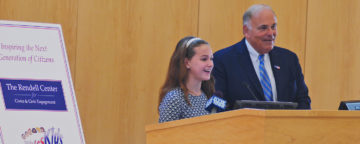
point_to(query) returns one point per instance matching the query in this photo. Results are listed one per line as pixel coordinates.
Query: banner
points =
(37, 98)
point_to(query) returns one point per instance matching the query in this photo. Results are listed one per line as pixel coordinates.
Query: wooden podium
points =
(260, 127)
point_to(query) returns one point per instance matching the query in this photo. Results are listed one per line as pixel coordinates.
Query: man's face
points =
(261, 35)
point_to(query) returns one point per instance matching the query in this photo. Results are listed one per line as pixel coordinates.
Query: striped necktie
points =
(264, 80)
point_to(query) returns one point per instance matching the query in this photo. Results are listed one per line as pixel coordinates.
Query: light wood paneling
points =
(220, 22)
(123, 52)
(332, 52)
(62, 12)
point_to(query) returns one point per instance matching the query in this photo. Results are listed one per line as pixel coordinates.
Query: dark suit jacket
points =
(234, 71)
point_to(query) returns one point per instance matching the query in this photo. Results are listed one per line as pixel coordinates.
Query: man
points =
(255, 69)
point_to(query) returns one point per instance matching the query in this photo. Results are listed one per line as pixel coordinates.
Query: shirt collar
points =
(253, 53)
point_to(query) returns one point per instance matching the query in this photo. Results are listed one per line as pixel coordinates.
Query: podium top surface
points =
(256, 113)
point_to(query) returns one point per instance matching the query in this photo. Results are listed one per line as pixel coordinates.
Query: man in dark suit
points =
(254, 67)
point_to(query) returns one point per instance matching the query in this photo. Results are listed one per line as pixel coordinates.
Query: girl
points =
(189, 82)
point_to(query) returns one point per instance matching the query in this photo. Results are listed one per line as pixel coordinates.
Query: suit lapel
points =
(246, 63)
(276, 68)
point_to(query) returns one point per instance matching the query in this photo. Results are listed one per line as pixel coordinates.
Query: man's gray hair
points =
(253, 10)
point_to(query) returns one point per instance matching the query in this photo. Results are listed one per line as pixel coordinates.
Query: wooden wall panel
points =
(220, 23)
(62, 12)
(123, 52)
(332, 52)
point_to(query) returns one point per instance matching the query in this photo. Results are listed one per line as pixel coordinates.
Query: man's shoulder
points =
(231, 50)
(283, 51)
(285, 55)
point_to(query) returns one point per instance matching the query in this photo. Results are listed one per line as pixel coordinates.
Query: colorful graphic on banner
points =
(33, 95)
(39, 135)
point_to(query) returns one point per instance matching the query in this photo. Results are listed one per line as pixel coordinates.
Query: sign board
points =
(37, 98)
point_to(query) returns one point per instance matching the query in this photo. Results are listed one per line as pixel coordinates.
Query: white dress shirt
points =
(254, 56)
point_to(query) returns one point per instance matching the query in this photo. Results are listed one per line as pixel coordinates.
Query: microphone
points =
(250, 90)
(216, 103)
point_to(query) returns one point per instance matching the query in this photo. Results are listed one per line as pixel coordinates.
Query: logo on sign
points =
(33, 94)
(39, 135)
